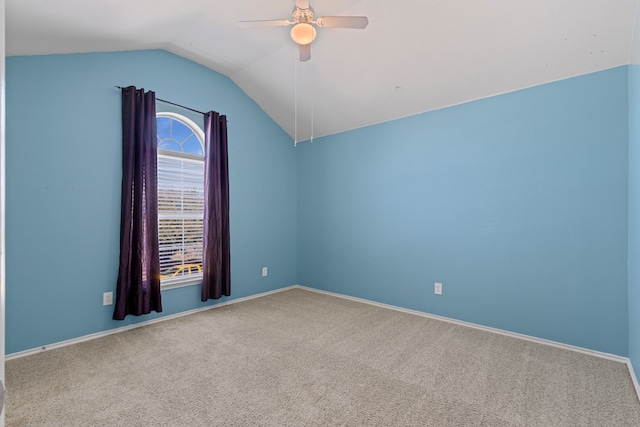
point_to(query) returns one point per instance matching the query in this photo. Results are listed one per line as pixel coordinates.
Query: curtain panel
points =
(138, 286)
(216, 259)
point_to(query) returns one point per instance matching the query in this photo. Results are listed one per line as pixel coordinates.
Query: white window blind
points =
(180, 215)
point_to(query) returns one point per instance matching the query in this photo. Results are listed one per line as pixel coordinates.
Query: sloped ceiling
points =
(415, 55)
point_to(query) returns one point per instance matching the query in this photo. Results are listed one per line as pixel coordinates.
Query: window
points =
(180, 199)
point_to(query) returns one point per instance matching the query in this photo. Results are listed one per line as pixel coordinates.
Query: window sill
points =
(181, 283)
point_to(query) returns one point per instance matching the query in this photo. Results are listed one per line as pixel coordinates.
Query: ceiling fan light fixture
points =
(303, 33)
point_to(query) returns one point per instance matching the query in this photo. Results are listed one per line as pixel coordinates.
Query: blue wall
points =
(63, 188)
(634, 216)
(516, 203)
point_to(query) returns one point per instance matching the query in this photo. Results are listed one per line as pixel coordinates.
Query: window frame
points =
(196, 278)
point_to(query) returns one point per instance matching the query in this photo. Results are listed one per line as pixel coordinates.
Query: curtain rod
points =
(172, 103)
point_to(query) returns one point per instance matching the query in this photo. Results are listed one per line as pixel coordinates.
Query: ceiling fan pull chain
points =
(312, 102)
(295, 102)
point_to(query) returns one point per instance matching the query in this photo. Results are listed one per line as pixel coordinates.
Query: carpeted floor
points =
(300, 358)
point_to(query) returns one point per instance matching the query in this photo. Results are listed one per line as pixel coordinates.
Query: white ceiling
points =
(415, 55)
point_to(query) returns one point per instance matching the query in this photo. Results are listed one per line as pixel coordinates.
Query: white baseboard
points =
(582, 350)
(633, 377)
(137, 325)
(600, 354)
(590, 352)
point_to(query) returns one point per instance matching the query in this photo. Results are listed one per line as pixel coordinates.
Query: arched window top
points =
(178, 133)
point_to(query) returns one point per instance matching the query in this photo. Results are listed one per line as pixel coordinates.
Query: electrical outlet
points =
(437, 289)
(264, 271)
(107, 298)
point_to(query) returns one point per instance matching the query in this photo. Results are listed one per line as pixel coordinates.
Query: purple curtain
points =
(138, 289)
(216, 257)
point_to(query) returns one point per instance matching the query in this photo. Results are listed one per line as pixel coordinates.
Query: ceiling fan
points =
(303, 32)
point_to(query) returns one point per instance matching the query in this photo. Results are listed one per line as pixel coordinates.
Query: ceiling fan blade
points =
(305, 52)
(302, 4)
(358, 22)
(268, 23)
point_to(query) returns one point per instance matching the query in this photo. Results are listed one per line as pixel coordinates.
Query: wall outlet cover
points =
(107, 298)
(437, 289)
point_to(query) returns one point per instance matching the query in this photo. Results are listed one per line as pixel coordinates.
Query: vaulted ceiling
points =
(414, 56)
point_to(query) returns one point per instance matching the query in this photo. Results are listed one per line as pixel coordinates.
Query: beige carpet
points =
(300, 358)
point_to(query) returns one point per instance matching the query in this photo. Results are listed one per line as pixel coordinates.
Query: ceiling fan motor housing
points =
(302, 16)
